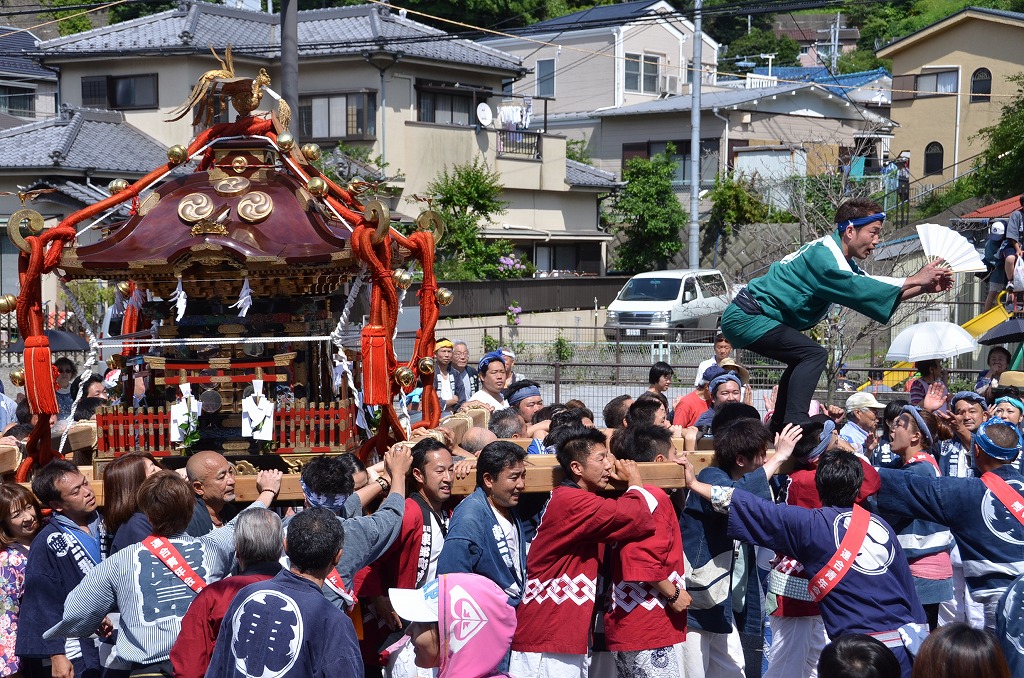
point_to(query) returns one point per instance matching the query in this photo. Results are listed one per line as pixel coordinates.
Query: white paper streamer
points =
(180, 299)
(244, 299)
(137, 300)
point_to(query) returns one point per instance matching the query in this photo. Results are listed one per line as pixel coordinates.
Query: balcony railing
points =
(514, 143)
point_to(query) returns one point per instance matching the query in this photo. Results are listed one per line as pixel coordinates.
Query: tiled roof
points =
(580, 174)
(80, 195)
(331, 31)
(347, 166)
(1000, 210)
(80, 139)
(836, 84)
(16, 43)
(793, 73)
(8, 121)
(619, 13)
(708, 100)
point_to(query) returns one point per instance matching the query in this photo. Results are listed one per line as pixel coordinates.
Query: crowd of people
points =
(866, 528)
(875, 539)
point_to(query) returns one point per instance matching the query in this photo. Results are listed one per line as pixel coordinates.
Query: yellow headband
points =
(444, 343)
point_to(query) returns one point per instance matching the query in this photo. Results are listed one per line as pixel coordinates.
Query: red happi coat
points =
(637, 617)
(561, 569)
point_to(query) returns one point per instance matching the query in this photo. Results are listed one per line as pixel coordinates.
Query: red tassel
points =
(376, 380)
(38, 446)
(40, 383)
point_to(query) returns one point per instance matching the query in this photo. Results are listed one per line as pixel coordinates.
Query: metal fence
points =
(489, 297)
(9, 335)
(520, 144)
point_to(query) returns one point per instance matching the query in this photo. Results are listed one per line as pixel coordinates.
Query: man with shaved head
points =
(475, 439)
(213, 480)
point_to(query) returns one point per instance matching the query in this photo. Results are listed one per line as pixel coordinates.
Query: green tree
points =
(468, 197)
(135, 10)
(648, 214)
(734, 203)
(69, 22)
(1002, 163)
(576, 149)
(757, 42)
(730, 26)
(862, 60)
(94, 296)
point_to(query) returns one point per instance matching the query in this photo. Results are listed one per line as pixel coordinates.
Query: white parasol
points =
(929, 340)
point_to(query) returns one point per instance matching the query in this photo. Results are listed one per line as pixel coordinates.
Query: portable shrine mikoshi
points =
(225, 270)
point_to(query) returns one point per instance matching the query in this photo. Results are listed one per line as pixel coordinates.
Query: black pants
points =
(805, 360)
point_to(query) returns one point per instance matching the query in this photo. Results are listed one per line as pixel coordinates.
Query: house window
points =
(444, 108)
(507, 86)
(17, 101)
(120, 92)
(981, 86)
(546, 78)
(338, 116)
(708, 159)
(942, 82)
(805, 49)
(642, 71)
(582, 257)
(933, 158)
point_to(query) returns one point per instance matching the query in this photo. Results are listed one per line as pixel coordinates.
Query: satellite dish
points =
(484, 115)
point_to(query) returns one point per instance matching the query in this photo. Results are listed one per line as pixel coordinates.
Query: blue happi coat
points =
(991, 540)
(56, 565)
(476, 544)
(285, 627)
(877, 593)
(703, 531)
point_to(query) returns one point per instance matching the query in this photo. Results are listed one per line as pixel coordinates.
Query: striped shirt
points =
(151, 599)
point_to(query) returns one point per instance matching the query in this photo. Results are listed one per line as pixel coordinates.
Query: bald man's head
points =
(212, 478)
(476, 439)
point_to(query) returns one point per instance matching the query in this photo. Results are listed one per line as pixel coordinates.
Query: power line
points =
(68, 8)
(269, 51)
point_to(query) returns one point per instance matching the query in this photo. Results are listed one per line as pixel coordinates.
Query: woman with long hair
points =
(20, 520)
(121, 481)
(927, 545)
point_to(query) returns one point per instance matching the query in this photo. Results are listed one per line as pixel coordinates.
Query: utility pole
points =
(290, 54)
(698, 41)
(835, 43)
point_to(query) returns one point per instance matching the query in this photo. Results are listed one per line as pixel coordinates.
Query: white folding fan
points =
(944, 243)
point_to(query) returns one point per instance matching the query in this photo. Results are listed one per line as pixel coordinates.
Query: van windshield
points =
(651, 289)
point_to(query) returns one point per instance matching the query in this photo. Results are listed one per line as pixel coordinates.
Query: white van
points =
(660, 304)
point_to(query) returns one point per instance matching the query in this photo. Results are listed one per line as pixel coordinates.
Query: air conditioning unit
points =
(669, 85)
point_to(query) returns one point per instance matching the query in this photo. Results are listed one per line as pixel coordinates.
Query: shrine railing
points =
(308, 428)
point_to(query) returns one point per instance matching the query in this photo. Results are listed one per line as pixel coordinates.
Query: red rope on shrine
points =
(43, 257)
(132, 318)
(421, 245)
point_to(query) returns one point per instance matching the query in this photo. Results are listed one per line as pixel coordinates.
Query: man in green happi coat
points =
(769, 315)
